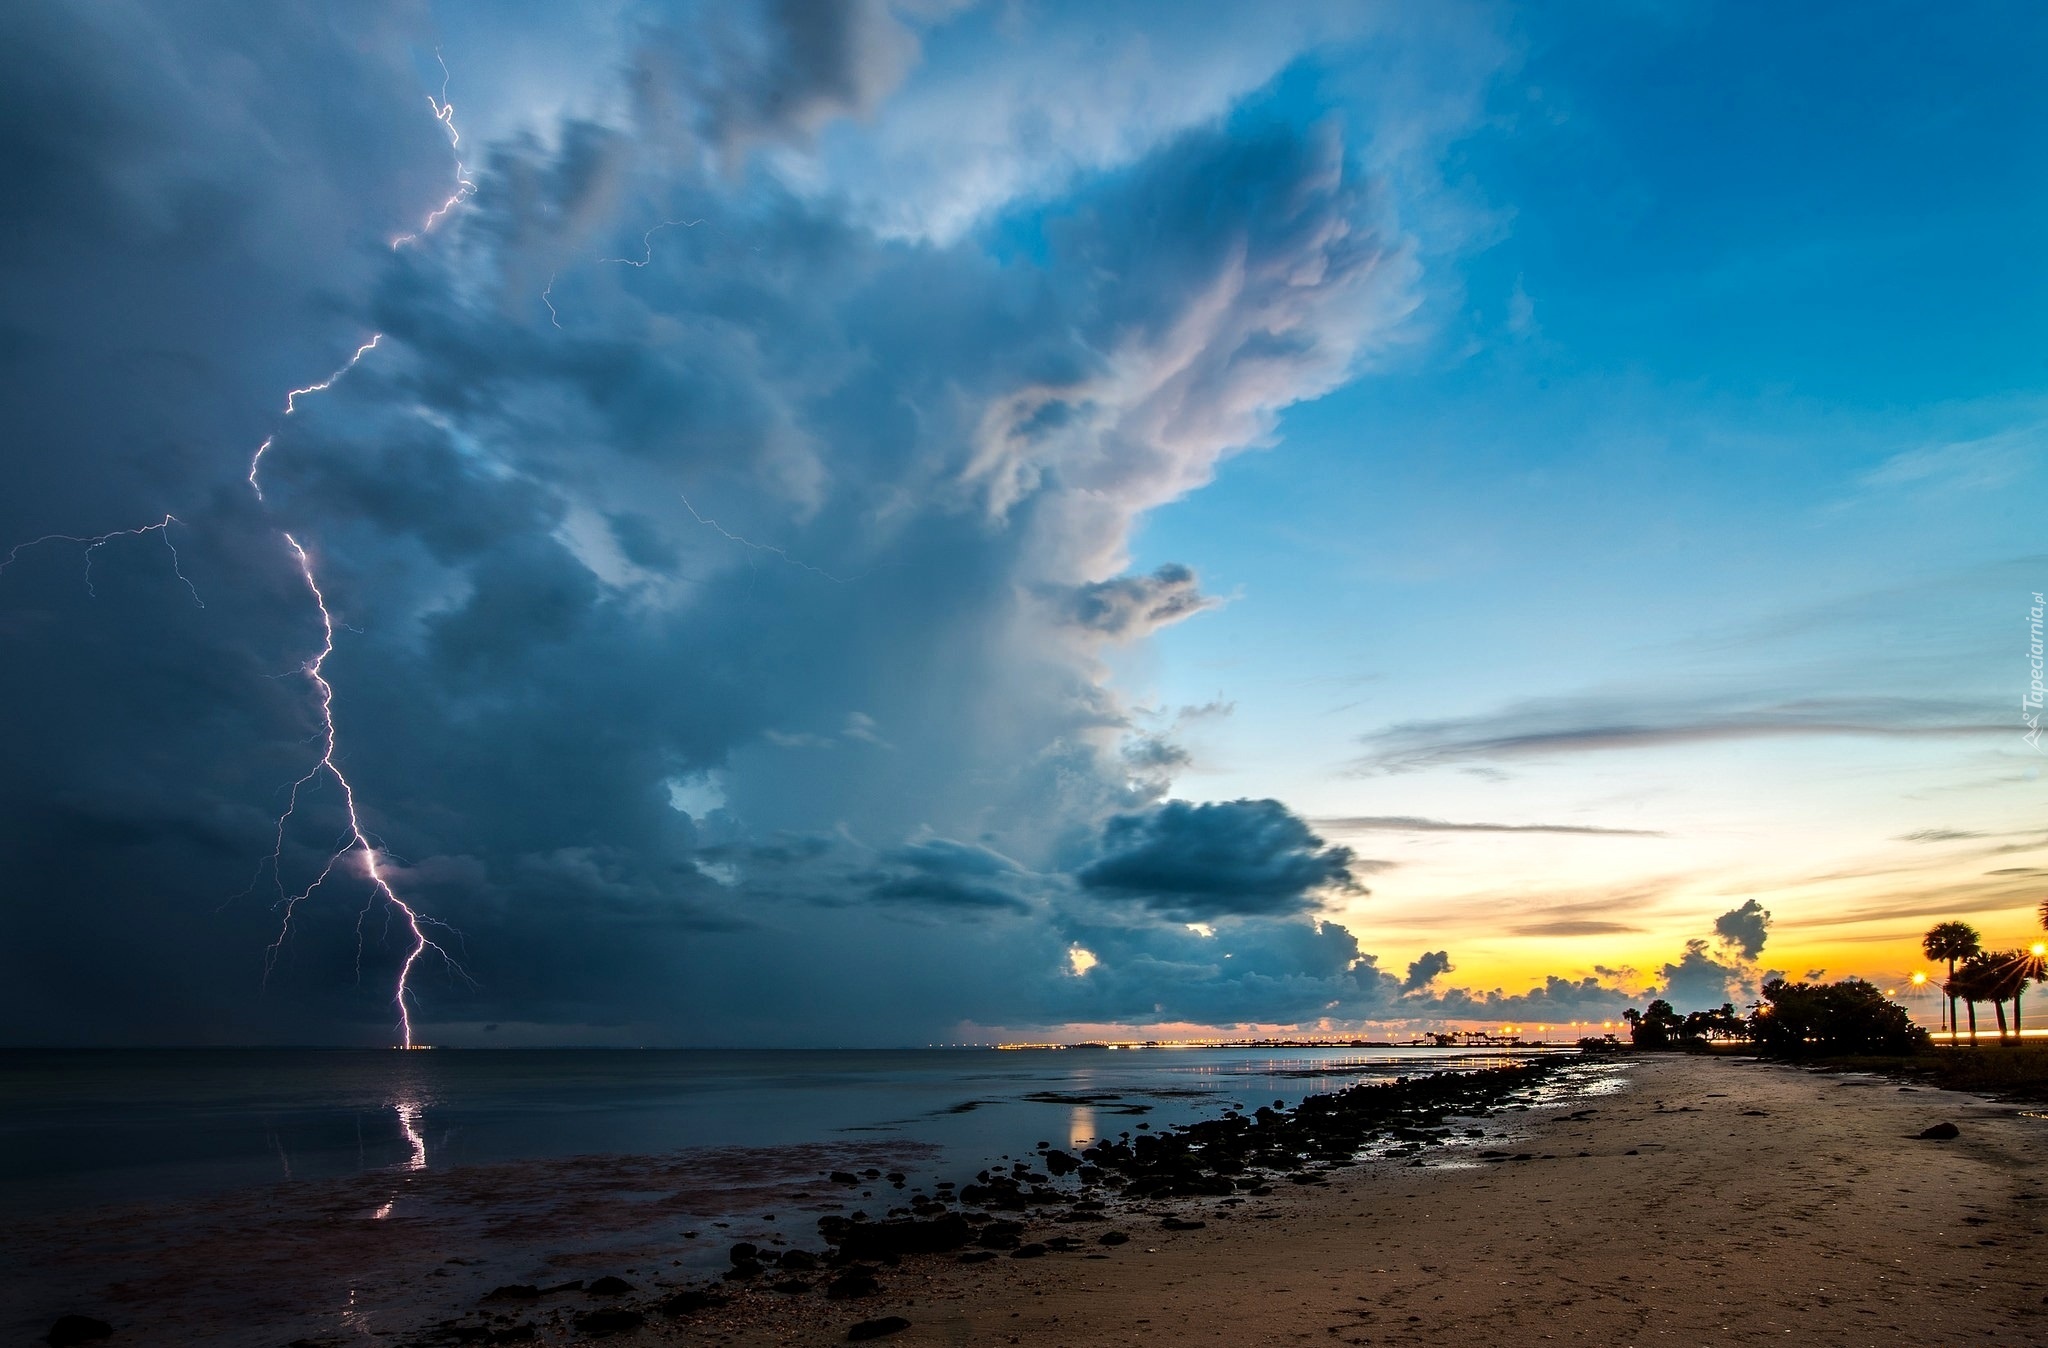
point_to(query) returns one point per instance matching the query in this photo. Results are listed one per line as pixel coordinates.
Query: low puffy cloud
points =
(1744, 929)
(1426, 969)
(1130, 607)
(1223, 859)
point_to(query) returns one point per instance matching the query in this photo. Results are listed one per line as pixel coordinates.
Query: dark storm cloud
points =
(923, 460)
(1246, 971)
(1228, 858)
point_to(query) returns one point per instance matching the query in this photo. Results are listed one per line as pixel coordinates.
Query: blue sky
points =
(882, 522)
(1738, 398)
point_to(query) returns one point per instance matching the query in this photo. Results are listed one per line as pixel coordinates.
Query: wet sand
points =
(1706, 1202)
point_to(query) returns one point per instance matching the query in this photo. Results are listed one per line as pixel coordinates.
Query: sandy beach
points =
(1704, 1202)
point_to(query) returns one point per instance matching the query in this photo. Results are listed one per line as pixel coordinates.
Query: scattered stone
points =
(976, 1257)
(611, 1320)
(1000, 1236)
(841, 1177)
(609, 1286)
(853, 1283)
(1181, 1224)
(513, 1291)
(1032, 1251)
(790, 1286)
(691, 1301)
(72, 1329)
(1940, 1132)
(876, 1329)
(1114, 1238)
(878, 1240)
(799, 1261)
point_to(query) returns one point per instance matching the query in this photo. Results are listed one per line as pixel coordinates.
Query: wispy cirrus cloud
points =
(1558, 726)
(1408, 823)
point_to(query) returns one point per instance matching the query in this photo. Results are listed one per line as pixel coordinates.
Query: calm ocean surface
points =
(81, 1128)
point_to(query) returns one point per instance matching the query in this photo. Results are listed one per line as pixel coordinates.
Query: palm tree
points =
(1969, 982)
(2016, 969)
(1953, 941)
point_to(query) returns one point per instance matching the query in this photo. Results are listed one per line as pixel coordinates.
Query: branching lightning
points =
(547, 298)
(770, 548)
(354, 847)
(647, 242)
(444, 113)
(93, 543)
(354, 841)
(291, 405)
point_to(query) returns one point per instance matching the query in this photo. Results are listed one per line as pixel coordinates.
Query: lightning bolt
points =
(94, 542)
(647, 242)
(547, 298)
(770, 548)
(444, 113)
(291, 405)
(354, 847)
(354, 841)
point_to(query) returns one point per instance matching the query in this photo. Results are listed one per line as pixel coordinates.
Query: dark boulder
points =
(77, 1329)
(1940, 1132)
(879, 1240)
(609, 1287)
(691, 1301)
(877, 1329)
(611, 1320)
(853, 1283)
(1000, 1235)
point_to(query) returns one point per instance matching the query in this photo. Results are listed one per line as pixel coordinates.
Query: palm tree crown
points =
(1950, 942)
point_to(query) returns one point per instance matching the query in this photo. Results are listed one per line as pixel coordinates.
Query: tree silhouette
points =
(2006, 974)
(1653, 1027)
(1954, 941)
(1994, 977)
(1800, 1020)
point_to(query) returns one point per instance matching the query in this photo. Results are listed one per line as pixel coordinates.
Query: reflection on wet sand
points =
(409, 1113)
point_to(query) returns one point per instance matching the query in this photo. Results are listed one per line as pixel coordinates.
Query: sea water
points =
(82, 1128)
